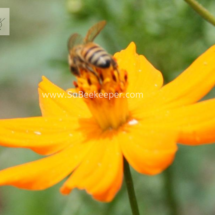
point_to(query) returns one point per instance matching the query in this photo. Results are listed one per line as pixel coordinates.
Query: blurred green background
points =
(169, 33)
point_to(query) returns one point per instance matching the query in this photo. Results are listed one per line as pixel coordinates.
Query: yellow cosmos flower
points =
(87, 138)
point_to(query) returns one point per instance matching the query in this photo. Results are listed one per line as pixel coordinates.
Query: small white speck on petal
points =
(12, 132)
(70, 135)
(37, 132)
(156, 85)
(133, 122)
(205, 63)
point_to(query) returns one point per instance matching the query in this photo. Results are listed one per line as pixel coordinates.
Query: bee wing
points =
(94, 31)
(75, 39)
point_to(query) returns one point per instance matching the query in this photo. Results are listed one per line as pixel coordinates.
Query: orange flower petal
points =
(111, 174)
(57, 102)
(85, 169)
(44, 173)
(45, 135)
(110, 193)
(148, 151)
(142, 76)
(100, 174)
(194, 83)
(195, 123)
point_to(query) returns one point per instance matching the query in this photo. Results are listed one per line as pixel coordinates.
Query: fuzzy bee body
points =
(85, 54)
(95, 55)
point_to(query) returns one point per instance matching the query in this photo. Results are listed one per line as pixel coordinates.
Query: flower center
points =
(104, 92)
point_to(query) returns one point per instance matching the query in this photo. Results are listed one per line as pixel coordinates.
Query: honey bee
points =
(87, 55)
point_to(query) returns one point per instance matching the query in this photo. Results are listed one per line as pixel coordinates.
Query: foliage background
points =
(169, 33)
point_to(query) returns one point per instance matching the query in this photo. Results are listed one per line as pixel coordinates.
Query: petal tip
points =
(131, 47)
(64, 191)
(43, 81)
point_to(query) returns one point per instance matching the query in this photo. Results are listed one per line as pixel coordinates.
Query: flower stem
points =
(202, 11)
(169, 191)
(130, 188)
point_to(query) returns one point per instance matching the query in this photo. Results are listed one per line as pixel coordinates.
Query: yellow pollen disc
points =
(105, 94)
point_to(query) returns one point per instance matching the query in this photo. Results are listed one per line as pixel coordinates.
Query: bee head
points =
(75, 70)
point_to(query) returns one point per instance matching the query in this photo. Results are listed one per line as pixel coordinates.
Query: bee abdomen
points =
(102, 61)
(97, 56)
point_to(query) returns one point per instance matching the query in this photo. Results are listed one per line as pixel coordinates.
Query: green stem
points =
(201, 11)
(169, 191)
(130, 188)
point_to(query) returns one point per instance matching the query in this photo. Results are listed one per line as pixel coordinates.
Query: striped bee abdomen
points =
(95, 55)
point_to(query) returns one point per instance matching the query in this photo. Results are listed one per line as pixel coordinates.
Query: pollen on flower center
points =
(105, 95)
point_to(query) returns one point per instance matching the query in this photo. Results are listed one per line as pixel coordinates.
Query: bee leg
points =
(94, 73)
(115, 65)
